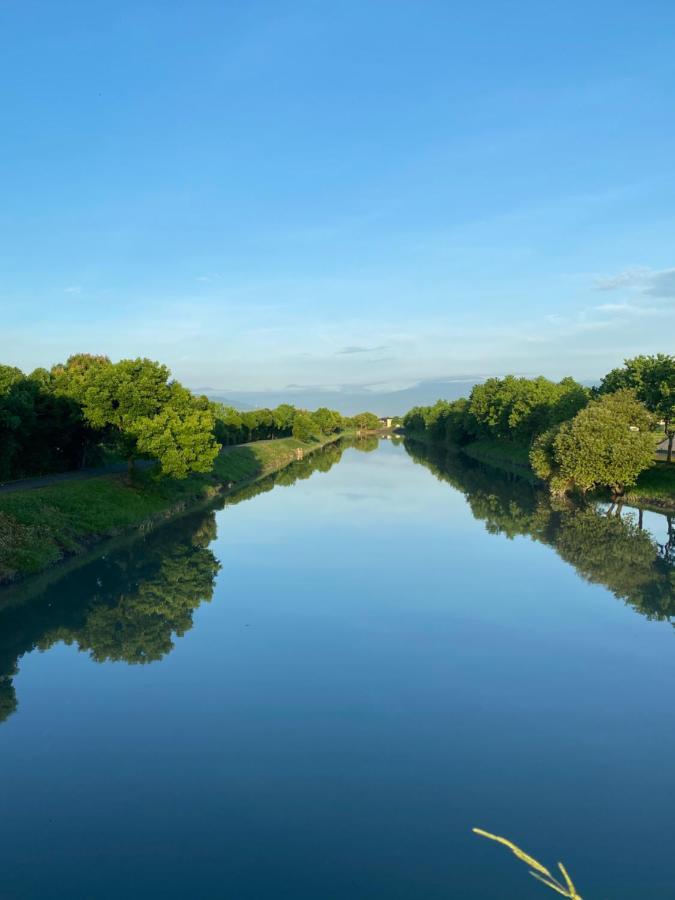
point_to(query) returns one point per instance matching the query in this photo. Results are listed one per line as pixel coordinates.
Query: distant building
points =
(387, 421)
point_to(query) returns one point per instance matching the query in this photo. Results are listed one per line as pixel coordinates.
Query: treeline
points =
(508, 408)
(88, 410)
(236, 427)
(577, 438)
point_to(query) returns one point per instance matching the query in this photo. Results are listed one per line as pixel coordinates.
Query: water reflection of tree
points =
(608, 548)
(125, 606)
(366, 444)
(138, 624)
(319, 461)
(131, 604)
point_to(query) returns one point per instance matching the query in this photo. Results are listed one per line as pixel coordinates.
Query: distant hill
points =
(223, 397)
(349, 402)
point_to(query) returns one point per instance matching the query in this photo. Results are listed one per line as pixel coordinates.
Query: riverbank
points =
(502, 454)
(655, 488)
(41, 527)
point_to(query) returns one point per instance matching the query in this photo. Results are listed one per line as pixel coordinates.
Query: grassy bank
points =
(655, 487)
(42, 526)
(504, 454)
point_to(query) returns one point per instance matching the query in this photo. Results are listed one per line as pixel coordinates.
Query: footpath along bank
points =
(42, 526)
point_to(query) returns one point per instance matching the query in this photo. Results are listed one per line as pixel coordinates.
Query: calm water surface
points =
(317, 692)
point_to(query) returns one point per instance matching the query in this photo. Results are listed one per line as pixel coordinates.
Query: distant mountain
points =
(220, 396)
(349, 402)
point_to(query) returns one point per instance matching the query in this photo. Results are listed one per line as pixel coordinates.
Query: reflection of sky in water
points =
(653, 522)
(371, 678)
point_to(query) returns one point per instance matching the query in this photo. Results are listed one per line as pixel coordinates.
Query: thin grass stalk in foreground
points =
(541, 873)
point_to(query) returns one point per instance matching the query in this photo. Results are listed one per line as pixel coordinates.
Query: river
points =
(318, 689)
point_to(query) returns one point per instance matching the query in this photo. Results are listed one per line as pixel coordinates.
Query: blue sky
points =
(339, 194)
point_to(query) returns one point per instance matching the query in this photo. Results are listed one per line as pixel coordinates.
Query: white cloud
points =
(659, 283)
(632, 309)
(355, 349)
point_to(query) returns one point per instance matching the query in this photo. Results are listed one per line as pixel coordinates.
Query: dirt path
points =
(30, 484)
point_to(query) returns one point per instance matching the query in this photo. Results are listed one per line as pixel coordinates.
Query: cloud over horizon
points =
(650, 282)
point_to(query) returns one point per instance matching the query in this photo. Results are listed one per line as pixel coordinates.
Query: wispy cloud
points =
(73, 289)
(659, 283)
(362, 349)
(631, 309)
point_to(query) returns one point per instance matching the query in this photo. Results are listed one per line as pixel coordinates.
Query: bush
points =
(607, 444)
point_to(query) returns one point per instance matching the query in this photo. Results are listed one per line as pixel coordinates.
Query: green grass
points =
(655, 487)
(40, 527)
(247, 461)
(499, 452)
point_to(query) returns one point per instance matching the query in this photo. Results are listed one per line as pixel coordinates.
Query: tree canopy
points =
(510, 408)
(144, 412)
(653, 380)
(607, 444)
(90, 409)
(577, 438)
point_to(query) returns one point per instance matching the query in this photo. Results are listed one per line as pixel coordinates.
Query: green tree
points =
(303, 427)
(41, 431)
(181, 439)
(228, 425)
(326, 420)
(521, 408)
(283, 417)
(151, 415)
(74, 377)
(653, 380)
(607, 444)
(366, 421)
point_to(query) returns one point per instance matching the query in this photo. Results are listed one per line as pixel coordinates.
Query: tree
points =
(180, 439)
(259, 424)
(326, 420)
(521, 408)
(542, 454)
(653, 380)
(151, 415)
(74, 377)
(121, 393)
(607, 444)
(366, 421)
(229, 425)
(41, 431)
(283, 417)
(303, 427)
(16, 417)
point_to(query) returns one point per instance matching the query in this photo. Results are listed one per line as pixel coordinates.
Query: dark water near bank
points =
(316, 693)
